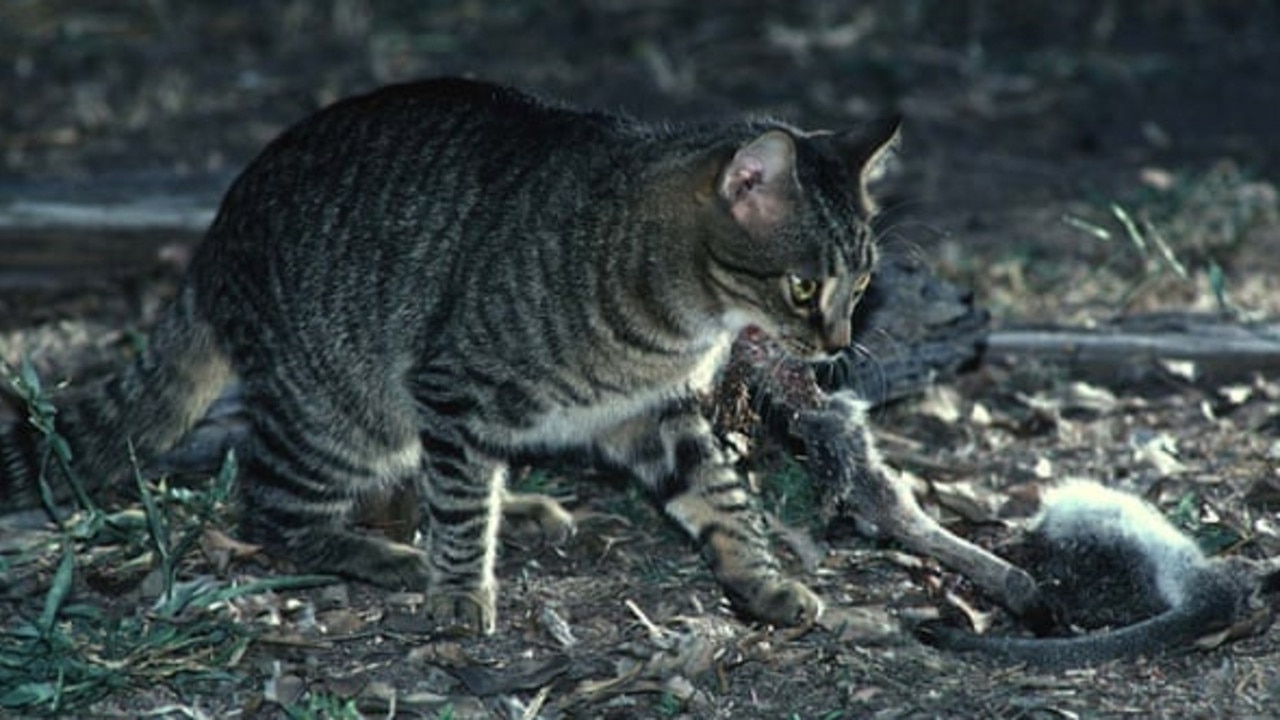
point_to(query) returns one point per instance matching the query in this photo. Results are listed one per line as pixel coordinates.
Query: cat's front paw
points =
(541, 518)
(462, 613)
(782, 602)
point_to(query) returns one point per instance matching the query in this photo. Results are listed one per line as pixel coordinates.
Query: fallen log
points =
(1193, 346)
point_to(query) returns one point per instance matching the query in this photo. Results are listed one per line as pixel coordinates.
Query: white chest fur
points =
(574, 426)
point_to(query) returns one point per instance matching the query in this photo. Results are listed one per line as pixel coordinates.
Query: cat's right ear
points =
(868, 149)
(759, 182)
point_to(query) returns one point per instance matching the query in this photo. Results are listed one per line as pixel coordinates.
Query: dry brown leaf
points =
(1253, 625)
(972, 501)
(443, 654)
(905, 560)
(285, 689)
(979, 620)
(518, 675)
(340, 621)
(861, 625)
(220, 549)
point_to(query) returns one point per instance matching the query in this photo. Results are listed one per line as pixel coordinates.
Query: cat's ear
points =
(868, 149)
(759, 182)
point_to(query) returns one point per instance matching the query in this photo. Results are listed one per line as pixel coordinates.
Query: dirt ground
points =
(1073, 163)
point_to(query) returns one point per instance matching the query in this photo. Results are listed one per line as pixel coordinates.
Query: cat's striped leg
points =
(462, 496)
(306, 472)
(683, 464)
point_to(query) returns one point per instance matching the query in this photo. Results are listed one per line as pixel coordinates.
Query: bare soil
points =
(1027, 125)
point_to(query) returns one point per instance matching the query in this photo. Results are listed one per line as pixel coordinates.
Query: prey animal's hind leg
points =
(681, 460)
(856, 484)
(850, 477)
(309, 466)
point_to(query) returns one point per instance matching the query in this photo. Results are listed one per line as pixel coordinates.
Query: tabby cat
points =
(416, 285)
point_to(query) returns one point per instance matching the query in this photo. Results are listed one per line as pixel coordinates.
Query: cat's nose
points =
(837, 335)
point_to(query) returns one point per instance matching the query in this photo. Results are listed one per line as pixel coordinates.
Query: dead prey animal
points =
(1107, 559)
(853, 481)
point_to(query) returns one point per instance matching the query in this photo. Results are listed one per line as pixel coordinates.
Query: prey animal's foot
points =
(462, 613)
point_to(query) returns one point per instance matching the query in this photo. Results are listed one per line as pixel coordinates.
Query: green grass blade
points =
(58, 591)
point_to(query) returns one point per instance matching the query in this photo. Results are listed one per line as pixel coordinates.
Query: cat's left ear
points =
(868, 149)
(759, 182)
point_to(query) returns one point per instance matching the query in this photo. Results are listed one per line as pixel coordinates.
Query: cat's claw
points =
(462, 613)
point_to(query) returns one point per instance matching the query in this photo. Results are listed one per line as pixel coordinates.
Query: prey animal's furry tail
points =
(151, 405)
(1217, 598)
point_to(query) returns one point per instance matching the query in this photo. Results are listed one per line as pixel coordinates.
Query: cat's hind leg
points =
(307, 471)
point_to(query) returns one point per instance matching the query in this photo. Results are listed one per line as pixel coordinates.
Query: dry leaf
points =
(220, 549)
(340, 621)
(1158, 449)
(1252, 625)
(1043, 468)
(556, 627)
(861, 625)
(1084, 396)
(979, 415)
(522, 674)
(1236, 394)
(972, 501)
(1185, 369)
(941, 402)
(442, 654)
(980, 621)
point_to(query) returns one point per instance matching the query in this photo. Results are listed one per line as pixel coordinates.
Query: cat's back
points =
(451, 114)
(400, 184)
(388, 159)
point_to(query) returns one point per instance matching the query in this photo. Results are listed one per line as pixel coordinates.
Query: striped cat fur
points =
(414, 286)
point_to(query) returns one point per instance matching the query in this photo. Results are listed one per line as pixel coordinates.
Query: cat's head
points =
(793, 251)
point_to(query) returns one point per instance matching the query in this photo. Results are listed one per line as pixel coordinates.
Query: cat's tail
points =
(150, 405)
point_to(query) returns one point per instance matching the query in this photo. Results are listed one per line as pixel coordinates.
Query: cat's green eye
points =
(803, 290)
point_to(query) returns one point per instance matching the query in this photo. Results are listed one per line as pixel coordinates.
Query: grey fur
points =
(1109, 559)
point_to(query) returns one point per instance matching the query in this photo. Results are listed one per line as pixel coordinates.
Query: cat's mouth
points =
(805, 349)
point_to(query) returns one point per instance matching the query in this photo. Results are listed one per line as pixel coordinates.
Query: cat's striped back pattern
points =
(413, 286)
